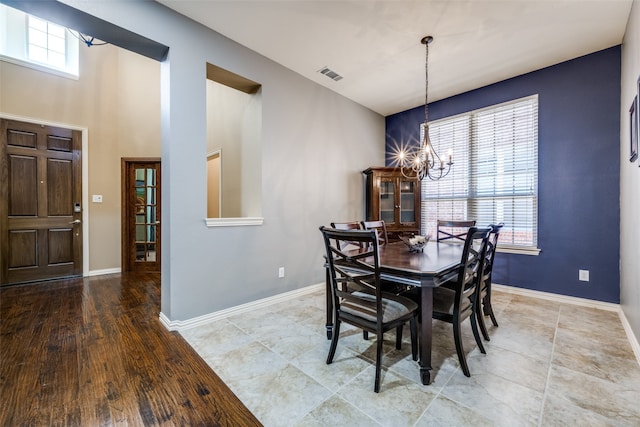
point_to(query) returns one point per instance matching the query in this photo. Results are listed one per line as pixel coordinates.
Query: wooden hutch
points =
(393, 198)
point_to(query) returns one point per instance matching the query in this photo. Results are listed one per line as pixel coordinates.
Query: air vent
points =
(330, 73)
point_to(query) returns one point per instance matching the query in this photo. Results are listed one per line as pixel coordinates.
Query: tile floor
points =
(547, 364)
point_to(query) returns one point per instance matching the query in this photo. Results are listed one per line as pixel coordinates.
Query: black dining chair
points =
(349, 225)
(457, 298)
(370, 309)
(380, 227)
(485, 282)
(455, 230)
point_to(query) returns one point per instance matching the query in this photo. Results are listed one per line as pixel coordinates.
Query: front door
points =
(141, 215)
(40, 202)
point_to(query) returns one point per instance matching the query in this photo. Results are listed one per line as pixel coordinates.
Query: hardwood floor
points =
(92, 352)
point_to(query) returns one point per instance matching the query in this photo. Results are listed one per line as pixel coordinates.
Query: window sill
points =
(39, 67)
(518, 251)
(233, 222)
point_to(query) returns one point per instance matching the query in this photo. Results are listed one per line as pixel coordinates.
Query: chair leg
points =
(365, 335)
(399, 337)
(483, 326)
(486, 306)
(413, 326)
(493, 317)
(334, 341)
(457, 337)
(476, 334)
(376, 385)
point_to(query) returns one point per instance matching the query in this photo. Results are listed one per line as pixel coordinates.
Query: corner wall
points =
(630, 179)
(315, 144)
(578, 172)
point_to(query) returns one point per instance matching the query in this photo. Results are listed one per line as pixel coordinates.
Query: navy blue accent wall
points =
(578, 172)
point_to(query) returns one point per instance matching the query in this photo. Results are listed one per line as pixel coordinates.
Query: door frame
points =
(124, 231)
(85, 177)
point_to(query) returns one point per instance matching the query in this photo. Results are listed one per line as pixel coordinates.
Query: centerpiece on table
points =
(415, 243)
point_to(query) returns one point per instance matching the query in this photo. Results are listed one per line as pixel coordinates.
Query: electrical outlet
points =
(97, 198)
(281, 272)
(583, 275)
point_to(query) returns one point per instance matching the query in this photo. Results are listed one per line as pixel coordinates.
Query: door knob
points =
(77, 221)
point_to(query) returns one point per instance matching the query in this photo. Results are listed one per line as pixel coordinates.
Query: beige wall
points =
(117, 98)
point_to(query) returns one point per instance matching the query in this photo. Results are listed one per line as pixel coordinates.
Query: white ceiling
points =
(375, 45)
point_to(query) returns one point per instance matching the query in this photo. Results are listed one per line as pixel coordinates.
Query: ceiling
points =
(375, 45)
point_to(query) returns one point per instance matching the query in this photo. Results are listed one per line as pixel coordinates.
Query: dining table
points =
(400, 265)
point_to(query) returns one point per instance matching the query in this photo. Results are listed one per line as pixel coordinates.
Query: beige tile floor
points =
(547, 364)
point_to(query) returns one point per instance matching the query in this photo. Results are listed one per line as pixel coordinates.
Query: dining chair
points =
(461, 301)
(453, 229)
(349, 225)
(485, 282)
(370, 309)
(380, 228)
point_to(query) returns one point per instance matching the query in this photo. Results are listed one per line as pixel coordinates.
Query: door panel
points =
(24, 249)
(40, 202)
(60, 186)
(141, 214)
(23, 194)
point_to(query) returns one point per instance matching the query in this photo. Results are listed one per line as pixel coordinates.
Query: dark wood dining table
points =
(418, 269)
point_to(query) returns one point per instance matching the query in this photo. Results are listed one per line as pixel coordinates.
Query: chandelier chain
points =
(426, 89)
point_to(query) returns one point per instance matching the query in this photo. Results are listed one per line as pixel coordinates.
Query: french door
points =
(141, 214)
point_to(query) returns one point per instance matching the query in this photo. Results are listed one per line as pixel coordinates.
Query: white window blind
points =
(494, 177)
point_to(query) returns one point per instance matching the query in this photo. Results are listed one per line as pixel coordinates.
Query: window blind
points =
(494, 177)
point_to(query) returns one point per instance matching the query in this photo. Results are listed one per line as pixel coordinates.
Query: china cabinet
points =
(393, 198)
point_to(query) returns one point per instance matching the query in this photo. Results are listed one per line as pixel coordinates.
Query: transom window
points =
(36, 43)
(47, 42)
(495, 173)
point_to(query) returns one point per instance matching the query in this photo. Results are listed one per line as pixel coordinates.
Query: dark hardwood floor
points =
(89, 352)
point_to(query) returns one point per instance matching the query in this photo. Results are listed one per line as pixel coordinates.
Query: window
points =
(36, 43)
(494, 177)
(47, 42)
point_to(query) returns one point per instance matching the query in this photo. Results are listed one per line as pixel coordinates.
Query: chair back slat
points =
(347, 269)
(381, 230)
(455, 230)
(349, 225)
(471, 268)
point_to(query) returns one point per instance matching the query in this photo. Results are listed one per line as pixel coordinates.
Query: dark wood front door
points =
(40, 202)
(141, 214)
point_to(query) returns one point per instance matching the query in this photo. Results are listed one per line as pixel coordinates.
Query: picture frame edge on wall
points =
(637, 116)
(633, 129)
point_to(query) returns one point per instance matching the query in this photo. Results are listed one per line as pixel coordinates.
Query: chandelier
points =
(423, 161)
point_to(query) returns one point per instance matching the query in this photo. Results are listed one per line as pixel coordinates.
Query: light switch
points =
(97, 198)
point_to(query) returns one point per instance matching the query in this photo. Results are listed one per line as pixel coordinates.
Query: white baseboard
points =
(103, 271)
(557, 297)
(180, 325)
(633, 340)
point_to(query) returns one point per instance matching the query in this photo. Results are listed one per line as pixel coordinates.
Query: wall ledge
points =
(233, 222)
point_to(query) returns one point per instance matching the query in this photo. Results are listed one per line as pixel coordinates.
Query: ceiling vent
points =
(330, 73)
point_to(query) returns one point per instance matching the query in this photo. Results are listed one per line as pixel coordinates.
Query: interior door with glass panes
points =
(141, 212)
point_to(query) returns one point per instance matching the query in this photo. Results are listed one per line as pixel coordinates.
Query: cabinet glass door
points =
(387, 201)
(407, 201)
